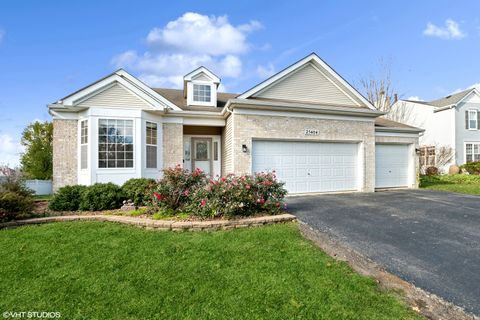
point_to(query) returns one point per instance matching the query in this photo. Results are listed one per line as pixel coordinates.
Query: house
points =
(452, 122)
(306, 122)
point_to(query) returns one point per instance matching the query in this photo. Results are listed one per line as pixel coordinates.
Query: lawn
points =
(469, 184)
(95, 270)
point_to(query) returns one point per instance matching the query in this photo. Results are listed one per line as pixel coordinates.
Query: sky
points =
(49, 49)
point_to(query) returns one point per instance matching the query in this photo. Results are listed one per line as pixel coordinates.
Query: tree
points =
(37, 138)
(380, 91)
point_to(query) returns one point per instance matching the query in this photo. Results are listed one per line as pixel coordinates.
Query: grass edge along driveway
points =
(460, 183)
(95, 270)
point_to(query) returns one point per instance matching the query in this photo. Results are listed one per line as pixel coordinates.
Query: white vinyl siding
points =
(115, 96)
(309, 166)
(391, 166)
(227, 163)
(308, 85)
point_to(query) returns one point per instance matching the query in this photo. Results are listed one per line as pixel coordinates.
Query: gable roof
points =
(323, 68)
(129, 82)
(191, 75)
(451, 99)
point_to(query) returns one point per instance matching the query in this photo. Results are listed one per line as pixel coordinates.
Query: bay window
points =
(115, 143)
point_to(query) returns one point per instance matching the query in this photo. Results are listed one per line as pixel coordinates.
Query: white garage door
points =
(308, 166)
(391, 165)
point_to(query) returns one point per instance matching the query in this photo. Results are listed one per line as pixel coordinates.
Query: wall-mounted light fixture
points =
(417, 150)
(244, 148)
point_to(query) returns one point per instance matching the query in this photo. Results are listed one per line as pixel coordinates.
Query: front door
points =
(202, 154)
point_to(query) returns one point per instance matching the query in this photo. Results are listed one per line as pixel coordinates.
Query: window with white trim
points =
(472, 119)
(115, 143)
(84, 144)
(151, 145)
(202, 93)
(472, 152)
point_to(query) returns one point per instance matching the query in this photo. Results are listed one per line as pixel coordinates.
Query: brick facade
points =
(172, 144)
(64, 153)
(249, 127)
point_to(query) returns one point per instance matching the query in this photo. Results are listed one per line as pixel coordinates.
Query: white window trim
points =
(134, 145)
(213, 94)
(147, 144)
(80, 144)
(465, 149)
(476, 119)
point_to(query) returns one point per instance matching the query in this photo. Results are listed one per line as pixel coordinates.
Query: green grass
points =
(469, 184)
(45, 197)
(94, 270)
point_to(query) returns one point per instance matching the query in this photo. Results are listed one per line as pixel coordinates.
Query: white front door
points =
(391, 165)
(202, 154)
(309, 166)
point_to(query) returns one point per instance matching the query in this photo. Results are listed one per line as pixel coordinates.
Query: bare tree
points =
(378, 88)
(444, 155)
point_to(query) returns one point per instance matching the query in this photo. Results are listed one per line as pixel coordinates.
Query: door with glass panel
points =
(202, 154)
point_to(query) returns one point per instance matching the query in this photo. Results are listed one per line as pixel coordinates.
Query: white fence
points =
(40, 187)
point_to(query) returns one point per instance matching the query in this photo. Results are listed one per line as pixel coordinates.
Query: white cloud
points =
(186, 43)
(414, 98)
(475, 85)
(266, 71)
(9, 151)
(451, 30)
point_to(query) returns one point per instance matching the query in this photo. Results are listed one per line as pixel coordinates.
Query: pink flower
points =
(203, 202)
(247, 187)
(186, 192)
(261, 201)
(223, 179)
(158, 196)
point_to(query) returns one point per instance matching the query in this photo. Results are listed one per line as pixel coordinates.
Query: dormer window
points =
(200, 88)
(202, 93)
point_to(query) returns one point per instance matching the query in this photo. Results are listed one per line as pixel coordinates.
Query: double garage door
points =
(309, 166)
(328, 167)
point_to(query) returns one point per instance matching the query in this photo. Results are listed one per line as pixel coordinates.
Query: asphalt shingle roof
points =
(450, 99)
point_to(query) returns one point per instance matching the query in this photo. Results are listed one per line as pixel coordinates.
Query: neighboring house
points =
(306, 122)
(452, 121)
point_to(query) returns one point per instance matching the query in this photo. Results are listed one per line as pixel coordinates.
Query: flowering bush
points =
(175, 188)
(239, 196)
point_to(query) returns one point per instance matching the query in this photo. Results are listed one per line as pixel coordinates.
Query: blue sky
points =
(49, 49)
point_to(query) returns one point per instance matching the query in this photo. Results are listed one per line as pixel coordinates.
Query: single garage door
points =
(308, 166)
(391, 165)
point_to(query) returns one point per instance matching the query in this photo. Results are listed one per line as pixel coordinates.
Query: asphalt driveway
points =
(429, 238)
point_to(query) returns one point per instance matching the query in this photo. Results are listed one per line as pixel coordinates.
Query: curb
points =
(208, 225)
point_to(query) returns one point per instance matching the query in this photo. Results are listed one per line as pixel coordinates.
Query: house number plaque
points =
(312, 132)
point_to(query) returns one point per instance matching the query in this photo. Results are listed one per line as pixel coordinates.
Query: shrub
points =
(13, 205)
(176, 186)
(239, 196)
(472, 167)
(15, 198)
(67, 198)
(431, 171)
(102, 196)
(136, 190)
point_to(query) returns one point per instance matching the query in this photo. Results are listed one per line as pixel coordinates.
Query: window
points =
(472, 119)
(115, 143)
(427, 156)
(472, 152)
(215, 151)
(84, 144)
(151, 143)
(201, 93)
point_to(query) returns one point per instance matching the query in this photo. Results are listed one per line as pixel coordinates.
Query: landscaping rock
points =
(454, 169)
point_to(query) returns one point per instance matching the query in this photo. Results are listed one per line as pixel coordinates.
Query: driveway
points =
(429, 238)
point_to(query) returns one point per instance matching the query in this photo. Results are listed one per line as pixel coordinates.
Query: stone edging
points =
(209, 225)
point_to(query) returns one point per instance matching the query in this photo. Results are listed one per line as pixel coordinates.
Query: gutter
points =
(399, 130)
(445, 108)
(299, 107)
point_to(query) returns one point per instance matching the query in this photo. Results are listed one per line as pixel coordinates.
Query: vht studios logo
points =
(31, 315)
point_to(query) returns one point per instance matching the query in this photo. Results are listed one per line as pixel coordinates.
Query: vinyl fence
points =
(40, 187)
